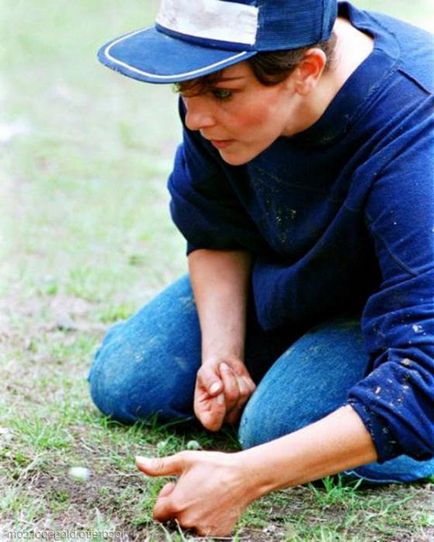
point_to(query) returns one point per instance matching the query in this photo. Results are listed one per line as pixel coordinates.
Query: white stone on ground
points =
(79, 474)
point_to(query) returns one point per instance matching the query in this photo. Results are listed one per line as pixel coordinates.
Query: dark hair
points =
(269, 68)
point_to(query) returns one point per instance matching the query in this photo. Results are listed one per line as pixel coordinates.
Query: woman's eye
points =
(222, 94)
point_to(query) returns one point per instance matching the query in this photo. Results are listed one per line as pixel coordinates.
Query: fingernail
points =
(214, 387)
(247, 382)
(242, 384)
(141, 459)
(142, 462)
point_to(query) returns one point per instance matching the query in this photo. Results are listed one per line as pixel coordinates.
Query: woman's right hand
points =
(223, 386)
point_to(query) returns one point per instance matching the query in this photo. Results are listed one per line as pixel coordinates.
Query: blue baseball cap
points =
(193, 38)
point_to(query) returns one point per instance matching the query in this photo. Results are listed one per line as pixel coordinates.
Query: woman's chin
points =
(234, 158)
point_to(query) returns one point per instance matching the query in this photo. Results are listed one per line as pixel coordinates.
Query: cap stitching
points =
(107, 54)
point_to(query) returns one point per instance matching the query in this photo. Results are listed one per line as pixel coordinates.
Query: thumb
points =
(160, 466)
(210, 380)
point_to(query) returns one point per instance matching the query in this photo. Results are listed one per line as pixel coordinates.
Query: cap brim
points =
(151, 56)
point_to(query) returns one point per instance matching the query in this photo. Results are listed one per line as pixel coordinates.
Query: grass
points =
(86, 241)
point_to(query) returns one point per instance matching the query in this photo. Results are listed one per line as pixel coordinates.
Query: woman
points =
(304, 189)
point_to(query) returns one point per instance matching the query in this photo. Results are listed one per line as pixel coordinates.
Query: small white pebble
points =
(193, 445)
(80, 474)
(5, 434)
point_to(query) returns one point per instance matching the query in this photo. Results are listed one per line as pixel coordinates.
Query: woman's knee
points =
(253, 429)
(136, 380)
(310, 380)
(146, 366)
(118, 384)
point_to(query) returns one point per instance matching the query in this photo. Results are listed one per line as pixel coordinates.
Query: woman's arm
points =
(220, 281)
(338, 442)
(214, 488)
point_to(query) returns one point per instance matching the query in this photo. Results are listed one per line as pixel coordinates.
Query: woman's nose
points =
(199, 114)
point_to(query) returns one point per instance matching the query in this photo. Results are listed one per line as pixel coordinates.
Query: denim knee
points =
(255, 428)
(117, 385)
(247, 430)
(308, 381)
(147, 365)
(131, 382)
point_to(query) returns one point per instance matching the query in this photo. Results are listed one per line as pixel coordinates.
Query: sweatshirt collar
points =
(363, 83)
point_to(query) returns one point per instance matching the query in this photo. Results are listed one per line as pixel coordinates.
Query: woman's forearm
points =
(338, 442)
(213, 488)
(220, 284)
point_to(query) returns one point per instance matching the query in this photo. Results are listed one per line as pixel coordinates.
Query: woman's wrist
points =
(259, 473)
(223, 355)
(223, 341)
(336, 443)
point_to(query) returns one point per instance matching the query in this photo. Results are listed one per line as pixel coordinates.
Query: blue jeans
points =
(147, 366)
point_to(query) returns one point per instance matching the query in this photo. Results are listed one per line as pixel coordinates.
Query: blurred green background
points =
(85, 152)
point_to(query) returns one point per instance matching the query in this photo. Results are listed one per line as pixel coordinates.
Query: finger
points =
(164, 509)
(161, 466)
(243, 386)
(167, 489)
(246, 387)
(250, 384)
(231, 389)
(212, 416)
(234, 415)
(209, 379)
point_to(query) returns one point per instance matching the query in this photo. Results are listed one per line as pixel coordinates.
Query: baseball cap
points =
(193, 38)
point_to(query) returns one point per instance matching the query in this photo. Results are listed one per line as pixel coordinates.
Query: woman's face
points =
(240, 116)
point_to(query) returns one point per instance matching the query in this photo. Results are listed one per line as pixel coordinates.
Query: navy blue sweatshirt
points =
(340, 217)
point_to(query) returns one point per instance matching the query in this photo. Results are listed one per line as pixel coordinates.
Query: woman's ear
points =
(309, 71)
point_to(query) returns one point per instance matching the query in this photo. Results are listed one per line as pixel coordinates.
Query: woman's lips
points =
(221, 143)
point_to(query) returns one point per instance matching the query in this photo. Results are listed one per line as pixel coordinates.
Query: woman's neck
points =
(352, 48)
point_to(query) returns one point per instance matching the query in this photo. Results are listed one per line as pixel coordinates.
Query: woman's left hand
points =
(210, 494)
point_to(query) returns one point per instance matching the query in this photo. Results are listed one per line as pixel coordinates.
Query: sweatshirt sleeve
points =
(395, 400)
(203, 205)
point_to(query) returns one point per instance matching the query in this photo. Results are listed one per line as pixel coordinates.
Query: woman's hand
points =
(220, 280)
(223, 386)
(210, 494)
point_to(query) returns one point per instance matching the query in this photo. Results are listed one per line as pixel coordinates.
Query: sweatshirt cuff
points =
(385, 444)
